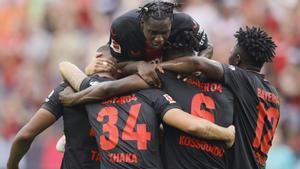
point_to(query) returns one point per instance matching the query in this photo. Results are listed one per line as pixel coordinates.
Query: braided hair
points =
(257, 46)
(157, 10)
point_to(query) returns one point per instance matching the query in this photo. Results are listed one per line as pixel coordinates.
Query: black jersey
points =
(127, 127)
(256, 115)
(203, 98)
(81, 150)
(127, 41)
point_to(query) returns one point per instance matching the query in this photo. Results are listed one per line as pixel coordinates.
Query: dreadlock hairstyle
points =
(157, 10)
(256, 45)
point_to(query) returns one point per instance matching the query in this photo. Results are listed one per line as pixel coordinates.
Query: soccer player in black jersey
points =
(81, 150)
(123, 140)
(205, 98)
(145, 34)
(256, 109)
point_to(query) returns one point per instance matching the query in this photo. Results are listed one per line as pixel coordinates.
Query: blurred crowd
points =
(35, 35)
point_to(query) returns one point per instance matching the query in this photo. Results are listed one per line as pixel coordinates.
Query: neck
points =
(250, 68)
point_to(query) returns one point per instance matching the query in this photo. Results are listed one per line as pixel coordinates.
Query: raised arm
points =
(189, 64)
(199, 127)
(38, 123)
(72, 74)
(98, 91)
(103, 90)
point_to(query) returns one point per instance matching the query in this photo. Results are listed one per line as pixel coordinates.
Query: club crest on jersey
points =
(169, 98)
(115, 46)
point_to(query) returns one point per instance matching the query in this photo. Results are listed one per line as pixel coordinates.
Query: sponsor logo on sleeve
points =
(51, 93)
(169, 98)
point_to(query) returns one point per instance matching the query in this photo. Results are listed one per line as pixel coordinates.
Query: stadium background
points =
(35, 35)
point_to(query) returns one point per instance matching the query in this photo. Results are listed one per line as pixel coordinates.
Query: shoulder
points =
(125, 23)
(183, 17)
(61, 87)
(151, 94)
(183, 21)
(92, 80)
(52, 102)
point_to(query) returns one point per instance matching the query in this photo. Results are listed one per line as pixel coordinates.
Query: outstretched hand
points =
(68, 97)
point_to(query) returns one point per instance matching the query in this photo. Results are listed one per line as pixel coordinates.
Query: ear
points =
(142, 22)
(237, 60)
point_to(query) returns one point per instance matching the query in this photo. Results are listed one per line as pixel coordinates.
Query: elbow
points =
(108, 89)
(62, 66)
(103, 90)
(198, 62)
(24, 136)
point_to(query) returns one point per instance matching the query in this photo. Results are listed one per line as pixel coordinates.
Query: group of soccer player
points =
(131, 111)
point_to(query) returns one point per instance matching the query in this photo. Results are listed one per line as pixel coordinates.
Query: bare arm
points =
(72, 74)
(129, 67)
(104, 90)
(189, 64)
(99, 91)
(38, 123)
(199, 127)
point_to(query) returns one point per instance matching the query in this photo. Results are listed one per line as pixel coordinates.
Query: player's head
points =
(186, 43)
(253, 48)
(105, 50)
(156, 22)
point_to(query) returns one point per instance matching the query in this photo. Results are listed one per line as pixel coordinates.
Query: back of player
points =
(81, 151)
(204, 98)
(256, 116)
(127, 127)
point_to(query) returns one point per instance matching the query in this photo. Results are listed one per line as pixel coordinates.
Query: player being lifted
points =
(256, 111)
(145, 34)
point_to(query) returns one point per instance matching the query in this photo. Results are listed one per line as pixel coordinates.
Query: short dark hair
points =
(158, 10)
(257, 47)
(188, 40)
(103, 48)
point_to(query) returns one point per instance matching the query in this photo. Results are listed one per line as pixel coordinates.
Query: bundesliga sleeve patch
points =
(51, 93)
(92, 83)
(115, 46)
(169, 98)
